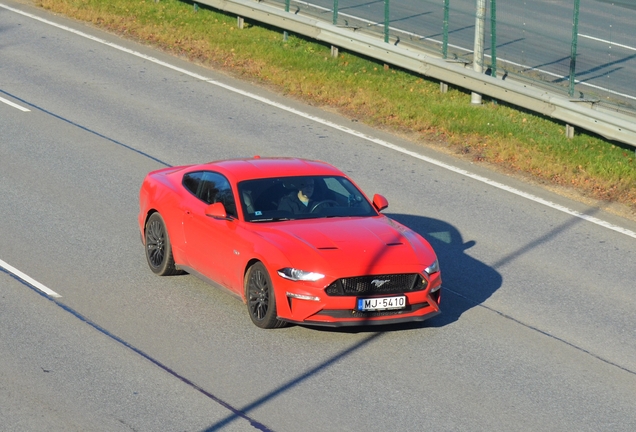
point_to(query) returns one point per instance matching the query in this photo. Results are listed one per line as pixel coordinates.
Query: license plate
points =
(382, 303)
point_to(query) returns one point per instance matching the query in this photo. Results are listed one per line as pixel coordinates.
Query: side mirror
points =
(469, 244)
(216, 211)
(379, 202)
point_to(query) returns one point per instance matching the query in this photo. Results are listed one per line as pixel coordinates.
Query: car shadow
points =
(466, 281)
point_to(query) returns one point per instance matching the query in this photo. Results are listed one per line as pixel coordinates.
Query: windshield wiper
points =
(272, 219)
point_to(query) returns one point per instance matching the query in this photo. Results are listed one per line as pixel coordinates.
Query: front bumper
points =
(369, 322)
(336, 311)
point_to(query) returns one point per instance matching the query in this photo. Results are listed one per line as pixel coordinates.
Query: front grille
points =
(377, 284)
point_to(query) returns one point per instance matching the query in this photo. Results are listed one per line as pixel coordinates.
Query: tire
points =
(261, 301)
(158, 248)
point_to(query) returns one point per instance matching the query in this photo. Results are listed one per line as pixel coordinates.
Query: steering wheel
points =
(331, 203)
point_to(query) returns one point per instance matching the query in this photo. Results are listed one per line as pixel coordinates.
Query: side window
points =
(191, 181)
(211, 187)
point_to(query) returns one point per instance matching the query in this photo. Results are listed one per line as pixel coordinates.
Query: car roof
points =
(267, 167)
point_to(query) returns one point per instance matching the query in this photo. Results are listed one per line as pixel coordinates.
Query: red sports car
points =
(295, 239)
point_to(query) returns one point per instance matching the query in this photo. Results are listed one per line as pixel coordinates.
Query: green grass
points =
(396, 100)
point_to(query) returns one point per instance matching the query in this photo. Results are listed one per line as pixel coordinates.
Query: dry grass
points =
(513, 140)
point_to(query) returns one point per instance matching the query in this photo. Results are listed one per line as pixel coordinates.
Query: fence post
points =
(575, 38)
(285, 34)
(569, 130)
(335, 12)
(493, 38)
(445, 37)
(386, 21)
(478, 52)
(443, 87)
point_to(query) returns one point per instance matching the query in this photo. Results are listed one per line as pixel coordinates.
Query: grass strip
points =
(502, 136)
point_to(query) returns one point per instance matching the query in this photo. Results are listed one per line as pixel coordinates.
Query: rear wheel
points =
(261, 301)
(158, 249)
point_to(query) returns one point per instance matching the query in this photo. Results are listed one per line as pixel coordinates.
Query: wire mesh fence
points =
(585, 49)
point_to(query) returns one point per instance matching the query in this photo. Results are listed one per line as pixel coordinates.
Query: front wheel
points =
(261, 301)
(158, 248)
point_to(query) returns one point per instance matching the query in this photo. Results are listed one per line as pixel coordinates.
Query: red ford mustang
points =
(295, 239)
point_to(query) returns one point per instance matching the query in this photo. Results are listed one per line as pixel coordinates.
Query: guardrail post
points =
(478, 52)
(240, 22)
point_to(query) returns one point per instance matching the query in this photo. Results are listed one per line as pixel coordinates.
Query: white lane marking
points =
(14, 105)
(608, 42)
(345, 129)
(17, 273)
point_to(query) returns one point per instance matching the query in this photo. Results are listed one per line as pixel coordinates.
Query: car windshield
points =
(307, 197)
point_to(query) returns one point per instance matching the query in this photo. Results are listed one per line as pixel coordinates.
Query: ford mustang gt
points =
(296, 240)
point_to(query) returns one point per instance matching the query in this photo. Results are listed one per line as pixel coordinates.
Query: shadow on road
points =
(462, 274)
(242, 413)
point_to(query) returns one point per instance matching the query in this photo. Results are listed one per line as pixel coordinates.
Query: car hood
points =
(354, 246)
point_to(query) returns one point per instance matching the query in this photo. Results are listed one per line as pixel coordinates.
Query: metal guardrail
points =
(574, 112)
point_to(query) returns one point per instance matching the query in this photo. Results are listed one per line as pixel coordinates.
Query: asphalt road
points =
(533, 38)
(537, 330)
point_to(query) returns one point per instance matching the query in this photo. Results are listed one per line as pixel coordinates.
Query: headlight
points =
(433, 268)
(299, 275)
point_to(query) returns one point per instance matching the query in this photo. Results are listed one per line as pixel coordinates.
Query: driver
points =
(300, 201)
